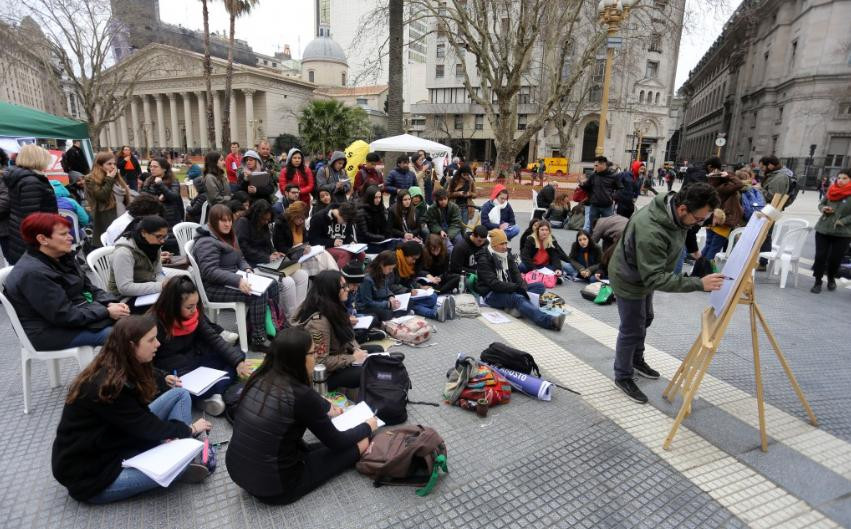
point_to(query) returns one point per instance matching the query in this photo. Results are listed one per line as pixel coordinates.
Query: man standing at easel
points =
(644, 262)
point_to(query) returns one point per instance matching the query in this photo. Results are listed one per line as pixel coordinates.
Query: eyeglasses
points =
(158, 236)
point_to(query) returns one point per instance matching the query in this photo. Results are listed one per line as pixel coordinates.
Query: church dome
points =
(324, 49)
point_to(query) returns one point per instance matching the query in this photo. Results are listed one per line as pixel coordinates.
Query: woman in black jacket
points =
(110, 415)
(290, 238)
(435, 266)
(129, 167)
(541, 250)
(266, 455)
(372, 228)
(403, 218)
(189, 340)
(585, 257)
(161, 183)
(56, 303)
(29, 192)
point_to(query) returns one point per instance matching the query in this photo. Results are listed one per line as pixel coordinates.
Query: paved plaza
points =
(593, 460)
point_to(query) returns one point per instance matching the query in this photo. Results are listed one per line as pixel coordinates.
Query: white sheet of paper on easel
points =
(736, 264)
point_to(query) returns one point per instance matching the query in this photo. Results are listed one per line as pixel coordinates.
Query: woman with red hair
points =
(57, 304)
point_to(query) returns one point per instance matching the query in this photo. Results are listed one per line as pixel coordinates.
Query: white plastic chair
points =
(213, 307)
(83, 354)
(103, 241)
(184, 232)
(788, 253)
(204, 208)
(784, 225)
(100, 261)
(535, 207)
(733, 238)
(75, 225)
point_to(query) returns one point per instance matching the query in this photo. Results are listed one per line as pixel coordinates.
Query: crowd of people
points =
(432, 241)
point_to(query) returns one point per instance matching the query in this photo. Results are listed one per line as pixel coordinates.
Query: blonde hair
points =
(33, 157)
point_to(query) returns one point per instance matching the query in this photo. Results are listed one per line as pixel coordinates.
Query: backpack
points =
(384, 386)
(534, 276)
(599, 293)
(466, 306)
(500, 355)
(752, 200)
(413, 330)
(794, 188)
(457, 378)
(577, 218)
(407, 455)
(487, 383)
(702, 267)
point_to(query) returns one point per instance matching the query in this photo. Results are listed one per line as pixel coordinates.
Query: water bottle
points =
(320, 379)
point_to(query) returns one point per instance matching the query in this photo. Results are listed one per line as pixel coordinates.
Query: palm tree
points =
(394, 68)
(208, 73)
(328, 125)
(235, 9)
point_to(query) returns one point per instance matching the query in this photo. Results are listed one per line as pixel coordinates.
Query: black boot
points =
(817, 287)
(831, 284)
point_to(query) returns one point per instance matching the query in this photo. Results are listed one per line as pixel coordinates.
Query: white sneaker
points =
(229, 337)
(214, 405)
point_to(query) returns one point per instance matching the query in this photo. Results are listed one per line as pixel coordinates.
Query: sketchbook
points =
(314, 251)
(259, 284)
(201, 379)
(353, 416)
(165, 462)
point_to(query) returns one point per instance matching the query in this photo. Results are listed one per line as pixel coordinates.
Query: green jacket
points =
(434, 218)
(837, 224)
(646, 255)
(776, 181)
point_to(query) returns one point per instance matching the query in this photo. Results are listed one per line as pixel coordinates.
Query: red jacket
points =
(232, 163)
(367, 177)
(304, 181)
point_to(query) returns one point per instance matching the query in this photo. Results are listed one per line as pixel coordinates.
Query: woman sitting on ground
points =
(409, 257)
(541, 250)
(255, 243)
(474, 217)
(217, 254)
(266, 455)
(418, 201)
(376, 294)
(498, 214)
(403, 218)
(290, 238)
(57, 304)
(189, 340)
(372, 228)
(435, 266)
(559, 212)
(584, 259)
(111, 414)
(323, 314)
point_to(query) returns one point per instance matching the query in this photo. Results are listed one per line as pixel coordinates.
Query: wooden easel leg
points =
(785, 365)
(688, 395)
(677, 379)
(760, 398)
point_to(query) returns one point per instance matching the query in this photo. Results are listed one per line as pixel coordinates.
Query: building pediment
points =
(652, 84)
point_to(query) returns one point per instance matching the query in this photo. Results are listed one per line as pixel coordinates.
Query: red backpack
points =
(535, 276)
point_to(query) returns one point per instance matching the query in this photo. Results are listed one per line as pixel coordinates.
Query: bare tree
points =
(235, 9)
(208, 74)
(79, 35)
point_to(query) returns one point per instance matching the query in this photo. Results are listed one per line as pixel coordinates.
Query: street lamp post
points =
(612, 13)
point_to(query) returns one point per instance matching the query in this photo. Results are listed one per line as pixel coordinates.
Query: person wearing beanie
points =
(498, 214)
(290, 238)
(254, 180)
(502, 286)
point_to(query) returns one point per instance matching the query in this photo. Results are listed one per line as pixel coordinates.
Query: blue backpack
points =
(752, 200)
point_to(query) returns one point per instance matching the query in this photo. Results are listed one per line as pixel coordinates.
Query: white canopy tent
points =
(408, 143)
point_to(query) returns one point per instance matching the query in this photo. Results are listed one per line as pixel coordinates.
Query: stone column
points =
(202, 118)
(233, 116)
(103, 137)
(158, 98)
(217, 118)
(175, 130)
(134, 123)
(187, 118)
(122, 124)
(113, 134)
(147, 125)
(250, 126)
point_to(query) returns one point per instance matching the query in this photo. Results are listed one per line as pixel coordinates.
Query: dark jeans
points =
(636, 315)
(372, 248)
(448, 283)
(515, 300)
(319, 464)
(348, 377)
(829, 253)
(766, 246)
(92, 338)
(714, 244)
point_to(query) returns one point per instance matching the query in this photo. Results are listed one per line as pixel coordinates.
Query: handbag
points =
(535, 276)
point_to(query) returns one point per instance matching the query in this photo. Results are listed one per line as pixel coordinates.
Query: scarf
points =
(188, 326)
(495, 214)
(836, 193)
(152, 251)
(502, 262)
(405, 270)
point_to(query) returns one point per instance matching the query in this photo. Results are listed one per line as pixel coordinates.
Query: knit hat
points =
(497, 236)
(353, 272)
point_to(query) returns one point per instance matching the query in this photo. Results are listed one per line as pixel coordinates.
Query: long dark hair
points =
(284, 359)
(211, 164)
(434, 241)
(385, 258)
(168, 305)
(410, 217)
(291, 169)
(116, 364)
(593, 249)
(217, 213)
(255, 215)
(168, 176)
(368, 199)
(323, 297)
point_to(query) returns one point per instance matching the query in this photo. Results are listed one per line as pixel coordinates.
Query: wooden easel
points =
(690, 374)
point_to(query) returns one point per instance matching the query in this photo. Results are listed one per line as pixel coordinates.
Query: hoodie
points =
(64, 201)
(506, 214)
(327, 178)
(302, 176)
(265, 191)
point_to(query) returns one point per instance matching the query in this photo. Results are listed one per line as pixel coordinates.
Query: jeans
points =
(636, 315)
(594, 213)
(424, 307)
(714, 244)
(319, 464)
(830, 250)
(347, 377)
(429, 188)
(678, 268)
(515, 300)
(766, 246)
(173, 404)
(92, 338)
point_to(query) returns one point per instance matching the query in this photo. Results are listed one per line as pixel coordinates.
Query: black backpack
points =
(794, 188)
(500, 355)
(384, 386)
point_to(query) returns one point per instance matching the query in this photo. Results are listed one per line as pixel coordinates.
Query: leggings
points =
(830, 250)
(319, 464)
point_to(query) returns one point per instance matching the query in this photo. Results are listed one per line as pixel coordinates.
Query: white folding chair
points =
(780, 228)
(103, 241)
(213, 307)
(75, 225)
(184, 232)
(83, 354)
(788, 253)
(733, 238)
(100, 261)
(204, 208)
(535, 207)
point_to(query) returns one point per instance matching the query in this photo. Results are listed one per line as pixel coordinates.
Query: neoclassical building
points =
(168, 108)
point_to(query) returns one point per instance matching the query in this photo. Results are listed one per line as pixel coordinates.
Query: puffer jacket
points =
(398, 179)
(372, 224)
(29, 192)
(173, 203)
(530, 248)
(217, 260)
(183, 353)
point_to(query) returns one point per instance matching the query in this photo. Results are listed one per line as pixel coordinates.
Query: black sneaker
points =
(816, 288)
(831, 284)
(628, 386)
(645, 370)
(260, 345)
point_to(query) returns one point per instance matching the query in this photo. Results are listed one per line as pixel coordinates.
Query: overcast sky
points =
(274, 23)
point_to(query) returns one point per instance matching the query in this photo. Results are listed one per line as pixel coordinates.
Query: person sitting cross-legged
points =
(584, 259)
(501, 285)
(444, 219)
(541, 250)
(498, 214)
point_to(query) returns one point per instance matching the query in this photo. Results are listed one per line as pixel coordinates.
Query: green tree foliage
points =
(330, 125)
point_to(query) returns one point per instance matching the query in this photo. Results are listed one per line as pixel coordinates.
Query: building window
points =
(655, 43)
(440, 50)
(459, 122)
(459, 70)
(343, 78)
(753, 123)
(779, 114)
(362, 101)
(525, 95)
(641, 96)
(595, 95)
(652, 70)
(438, 71)
(521, 121)
(311, 76)
(439, 121)
(794, 52)
(837, 152)
(657, 98)
(441, 9)
(599, 71)
(480, 121)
